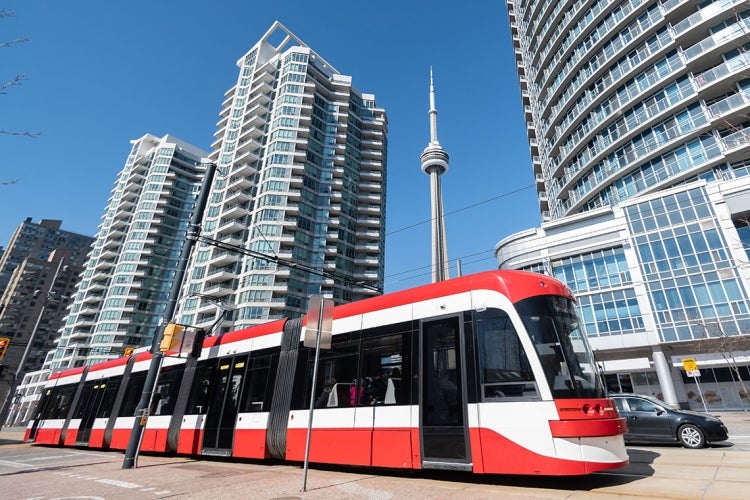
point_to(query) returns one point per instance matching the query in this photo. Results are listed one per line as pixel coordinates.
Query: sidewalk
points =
(10, 435)
(738, 422)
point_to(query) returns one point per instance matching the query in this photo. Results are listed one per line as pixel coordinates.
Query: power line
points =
(463, 208)
(289, 263)
(346, 280)
(429, 273)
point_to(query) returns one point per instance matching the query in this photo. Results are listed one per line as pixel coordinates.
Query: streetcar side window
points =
(110, 393)
(133, 394)
(504, 369)
(383, 368)
(60, 399)
(87, 398)
(337, 375)
(368, 367)
(199, 397)
(259, 378)
(165, 394)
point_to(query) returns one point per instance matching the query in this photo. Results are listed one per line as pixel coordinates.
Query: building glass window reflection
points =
(686, 266)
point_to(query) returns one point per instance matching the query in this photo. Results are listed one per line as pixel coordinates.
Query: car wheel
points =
(691, 436)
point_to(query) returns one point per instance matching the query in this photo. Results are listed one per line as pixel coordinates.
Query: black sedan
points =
(653, 421)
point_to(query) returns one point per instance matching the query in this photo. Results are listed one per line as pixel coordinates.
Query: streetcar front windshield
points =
(566, 357)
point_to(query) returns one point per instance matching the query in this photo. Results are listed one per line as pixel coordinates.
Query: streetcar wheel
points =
(691, 436)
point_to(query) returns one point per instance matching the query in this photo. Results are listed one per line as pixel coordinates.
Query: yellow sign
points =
(689, 364)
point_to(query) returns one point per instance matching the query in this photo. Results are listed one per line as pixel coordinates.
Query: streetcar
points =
(488, 373)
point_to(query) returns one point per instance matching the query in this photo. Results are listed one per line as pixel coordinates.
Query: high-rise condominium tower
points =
(32, 308)
(37, 240)
(298, 204)
(637, 115)
(626, 98)
(129, 272)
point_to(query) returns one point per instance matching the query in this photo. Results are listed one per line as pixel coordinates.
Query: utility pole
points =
(141, 411)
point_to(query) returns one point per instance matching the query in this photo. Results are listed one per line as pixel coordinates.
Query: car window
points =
(620, 403)
(638, 404)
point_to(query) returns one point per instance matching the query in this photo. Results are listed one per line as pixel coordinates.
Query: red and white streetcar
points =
(488, 373)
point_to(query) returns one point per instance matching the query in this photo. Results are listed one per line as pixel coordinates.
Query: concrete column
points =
(664, 373)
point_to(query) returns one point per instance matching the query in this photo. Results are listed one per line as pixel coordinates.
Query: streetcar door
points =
(443, 422)
(221, 417)
(93, 393)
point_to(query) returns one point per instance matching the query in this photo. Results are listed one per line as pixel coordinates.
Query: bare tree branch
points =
(14, 42)
(15, 82)
(716, 340)
(33, 135)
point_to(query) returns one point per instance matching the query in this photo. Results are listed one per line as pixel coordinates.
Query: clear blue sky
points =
(100, 73)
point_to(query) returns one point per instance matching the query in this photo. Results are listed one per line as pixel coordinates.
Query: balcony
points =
(237, 196)
(240, 182)
(220, 275)
(231, 226)
(223, 258)
(236, 210)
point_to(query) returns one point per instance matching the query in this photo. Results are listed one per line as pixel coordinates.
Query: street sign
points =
(319, 317)
(693, 373)
(689, 364)
(318, 336)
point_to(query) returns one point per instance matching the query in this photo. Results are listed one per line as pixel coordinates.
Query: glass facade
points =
(591, 277)
(686, 267)
(676, 277)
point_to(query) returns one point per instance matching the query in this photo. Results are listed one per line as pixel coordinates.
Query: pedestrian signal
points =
(4, 343)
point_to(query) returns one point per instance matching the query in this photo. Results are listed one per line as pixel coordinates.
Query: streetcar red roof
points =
(109, 364)
(246, 333)
(516, 285)
(67, 373)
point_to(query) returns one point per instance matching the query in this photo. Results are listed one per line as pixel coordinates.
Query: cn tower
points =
(435, 163)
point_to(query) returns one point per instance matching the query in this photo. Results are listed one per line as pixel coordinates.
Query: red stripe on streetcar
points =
(588, 428)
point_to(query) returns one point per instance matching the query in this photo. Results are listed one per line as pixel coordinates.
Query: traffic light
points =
(172, 338)
(129, 351)
(4, 343)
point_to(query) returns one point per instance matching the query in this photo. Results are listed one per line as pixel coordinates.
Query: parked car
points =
(651, 420)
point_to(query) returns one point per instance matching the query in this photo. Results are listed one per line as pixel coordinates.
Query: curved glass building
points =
(625, 98)
(638, 118)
